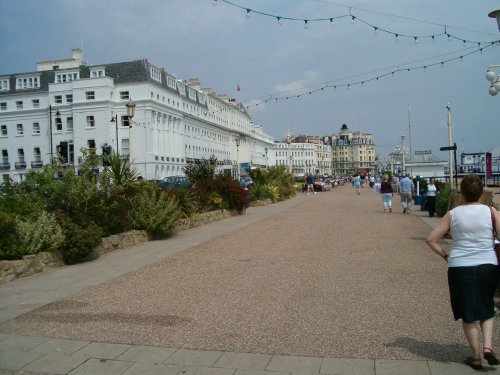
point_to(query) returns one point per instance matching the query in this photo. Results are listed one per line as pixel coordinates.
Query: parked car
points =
(173, 182)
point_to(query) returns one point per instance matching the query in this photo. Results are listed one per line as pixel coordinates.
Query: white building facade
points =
(302, 158)
(66, 106)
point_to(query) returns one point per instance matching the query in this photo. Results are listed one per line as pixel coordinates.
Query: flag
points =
(238, 87)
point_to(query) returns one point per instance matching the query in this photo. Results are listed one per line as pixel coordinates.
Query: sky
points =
(226, 49)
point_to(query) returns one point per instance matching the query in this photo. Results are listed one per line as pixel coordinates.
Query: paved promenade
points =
(319, 284)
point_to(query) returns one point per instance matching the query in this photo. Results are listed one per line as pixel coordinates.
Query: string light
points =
(392, 73)
(353, 18)
(248, 13)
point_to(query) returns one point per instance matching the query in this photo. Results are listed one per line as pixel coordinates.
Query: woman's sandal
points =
(475, 363)
(491, 357)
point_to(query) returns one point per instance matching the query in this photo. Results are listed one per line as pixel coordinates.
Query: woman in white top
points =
(431, 192)
(472, 267)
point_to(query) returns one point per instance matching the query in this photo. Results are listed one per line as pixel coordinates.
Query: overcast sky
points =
(226, 49)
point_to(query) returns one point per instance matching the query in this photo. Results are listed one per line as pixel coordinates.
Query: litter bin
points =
(418, 200)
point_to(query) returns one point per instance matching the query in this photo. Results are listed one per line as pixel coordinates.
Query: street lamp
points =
(495, 14)
(494, 78)
(50, 131)
(403, 155)
(237, 141)
(450, 162)
(266, 150)
(130, 114)
(114, 118)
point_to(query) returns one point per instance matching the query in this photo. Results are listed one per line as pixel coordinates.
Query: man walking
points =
(406, 185)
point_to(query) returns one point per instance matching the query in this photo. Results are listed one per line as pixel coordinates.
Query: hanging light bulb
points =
(352, 19)
(332, 24)
(306, 24)
(416, 40)
(279, 23)
(397, 37)
(433, 39)
(449, 37)
(247, 15)
(375, 30)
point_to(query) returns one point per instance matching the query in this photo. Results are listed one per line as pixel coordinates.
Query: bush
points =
(79, 242)
(157, 214)
(9, 244)
(258, 191)
(442, 199)
(40, 233)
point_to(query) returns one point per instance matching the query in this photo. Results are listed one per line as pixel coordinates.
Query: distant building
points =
(352, 152)
(66, 106)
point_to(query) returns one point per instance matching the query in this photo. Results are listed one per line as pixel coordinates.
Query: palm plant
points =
(120, 170)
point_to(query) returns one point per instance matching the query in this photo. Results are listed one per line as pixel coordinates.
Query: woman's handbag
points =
(495, 238)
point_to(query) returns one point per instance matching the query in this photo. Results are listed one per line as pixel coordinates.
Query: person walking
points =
(406, 185)
(357, 183)
(472, 267)
(310, 183)
(387, 193)
(431, 192)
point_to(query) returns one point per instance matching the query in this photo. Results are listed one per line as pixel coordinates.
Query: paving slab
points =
(247, 361)
(150, 354)
(396, 367)
(294, 364)
(189, 357)
(55, 363)
(101, 367)
(61, 346)
(23, 343)
(192, 370)
(103, 350)
(145, 368)
(258, 372)
(17, 359)
(347, 366)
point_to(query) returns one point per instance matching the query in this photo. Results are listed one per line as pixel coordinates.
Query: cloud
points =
(309, 78)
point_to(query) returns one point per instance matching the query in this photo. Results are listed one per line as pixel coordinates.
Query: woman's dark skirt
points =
(471, 292)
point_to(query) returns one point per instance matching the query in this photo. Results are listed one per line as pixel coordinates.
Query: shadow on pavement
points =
(431, 350)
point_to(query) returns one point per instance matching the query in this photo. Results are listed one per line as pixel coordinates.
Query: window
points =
(58, 122)
(3, 106)
(90, 95)
(4, 84)
(19, 104)
(3, 130)
(124, 95)
(58, 99)
(69, 123)
(67, 77)
(27, 82)
(69, 98)
(125, 147)
(96, 73)
(155, 74)
(20, 155)
(5, 157)
(91, 144)
(37, 154)
(36, 128)
(20, 130)
(90, 122)
(35, 103)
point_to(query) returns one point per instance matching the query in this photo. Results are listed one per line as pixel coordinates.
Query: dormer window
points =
(27, 82)
(155, 74)
(67, 77)
(4, 84)
(97, 73)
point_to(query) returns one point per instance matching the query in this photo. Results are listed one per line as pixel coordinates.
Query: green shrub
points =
(200, 171)
(186, 201)
(79, 242)
(258, 191)
(9, 244)
(157, 214)
(442, 199)
(40, 233)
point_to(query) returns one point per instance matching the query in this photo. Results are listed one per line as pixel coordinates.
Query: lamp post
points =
(130, 114)
(50, 131)
(494, 78)
(237, 141)
(403, 155)
(450, 162)
(266, 150)
(289, 141)
(114, 118)
(409, 141)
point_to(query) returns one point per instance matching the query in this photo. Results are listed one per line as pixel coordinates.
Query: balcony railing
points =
(4, 166)
(20, 165)
(37, 164)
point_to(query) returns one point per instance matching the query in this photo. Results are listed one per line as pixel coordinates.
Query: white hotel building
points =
(66, 106)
